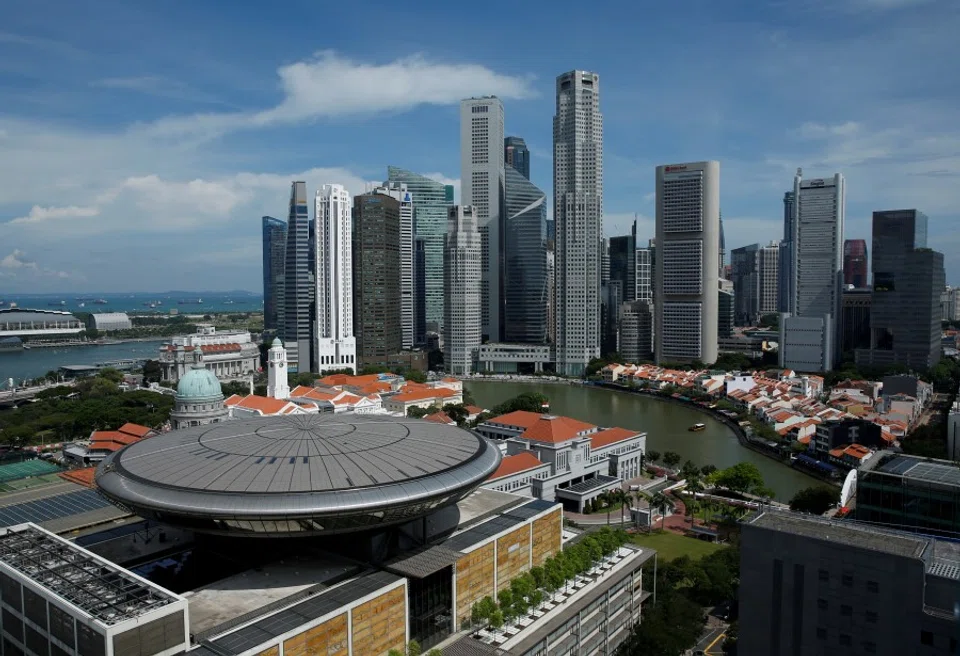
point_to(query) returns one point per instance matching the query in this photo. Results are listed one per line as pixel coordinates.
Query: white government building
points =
(228, 354)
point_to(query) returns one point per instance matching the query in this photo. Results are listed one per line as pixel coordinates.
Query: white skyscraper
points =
(399, 191)
(336, 347)
(481, 186)
(687, 262)
(578, 213)
(462, 255)
(813, 307)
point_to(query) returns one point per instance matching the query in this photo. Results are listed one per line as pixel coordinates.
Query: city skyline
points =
(154, 147)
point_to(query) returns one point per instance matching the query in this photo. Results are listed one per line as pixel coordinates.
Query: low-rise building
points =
(108, 321)
(265, 406)
(337, 400)
(103, 443)
(502, 358)
(228, 354)
(425, 397)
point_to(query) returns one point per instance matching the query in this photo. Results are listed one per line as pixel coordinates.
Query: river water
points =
(665, 423)
(33, 363)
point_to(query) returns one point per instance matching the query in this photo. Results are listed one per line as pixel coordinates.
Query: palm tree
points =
(662, 502)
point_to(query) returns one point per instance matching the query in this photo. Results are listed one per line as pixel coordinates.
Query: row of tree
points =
(529, 590)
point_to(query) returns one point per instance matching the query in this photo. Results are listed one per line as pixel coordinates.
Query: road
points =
(711, 642)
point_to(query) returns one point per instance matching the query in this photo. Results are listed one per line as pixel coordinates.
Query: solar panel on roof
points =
(55, 507)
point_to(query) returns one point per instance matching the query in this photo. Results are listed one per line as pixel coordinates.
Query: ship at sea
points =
(100, 301)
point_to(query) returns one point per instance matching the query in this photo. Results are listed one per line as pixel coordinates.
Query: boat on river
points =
(697, 427)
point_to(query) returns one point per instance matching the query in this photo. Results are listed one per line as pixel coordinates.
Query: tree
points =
(661, 502)
(304, 378)
(770, 321)
(689, 470)
(457, 411)
(706, 470)
(152, 372)
(743, 478)
(111, 374)
(419, 413)
(671, 459)
(816, 499)
(415, 375)
(434, 652)
(528, 401)
(653, 455)
(496, 619)
(413, 648)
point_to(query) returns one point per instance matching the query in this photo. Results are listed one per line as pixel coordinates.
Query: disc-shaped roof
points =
(298, 466)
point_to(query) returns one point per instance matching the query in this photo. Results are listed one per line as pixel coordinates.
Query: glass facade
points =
(430, 604)
(419, 292)
(431, 203)
(298, 291)
(517, 155)
(525, 308)
(623, 263)
(274, 254)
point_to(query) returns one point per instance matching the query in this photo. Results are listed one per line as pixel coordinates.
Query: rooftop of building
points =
(95, 586)
(515, 464)
(916, 468)
(24, 315)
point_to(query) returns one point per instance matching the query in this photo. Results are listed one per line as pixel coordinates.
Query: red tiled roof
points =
(521, 418)
(515, 464)
(209, 349)
(609, 436)
(353, 381)
(80, 476)
(440, 418)
(423, 394)
(264, 404)
(135, 429)
(555, 429)
(113, 436)
(474, 410)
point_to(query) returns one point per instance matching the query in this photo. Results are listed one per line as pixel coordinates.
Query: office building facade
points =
(482, 187)
(299, 284)
(855, 321)
(578, 212)
(399, 191)
(855, 263)
(755, 277)
(726, 302)
(688, 249)
(463, 253)
(611, 298)
(908, 279)
(274, 254)
(785, 262)
(636, 331)
(517, 155)
(335, 346)
(419, 291)
(525, 250)
(376, 278)
(622, 253)
(431, 203)
(644, 274)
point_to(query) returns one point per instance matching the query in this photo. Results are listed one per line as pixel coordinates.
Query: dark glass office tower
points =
(419, 291)
(517, 155)
(298, 282)
(623, 263)
(785, 261)
(376, 278)
(855, 263)
(525, 308)
(274, 255)
(908, 279)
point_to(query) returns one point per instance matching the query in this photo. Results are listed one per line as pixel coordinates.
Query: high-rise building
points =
(622, 254)
(481, 186)
(274, 253)
(578, 211)
(335, 346)
(420, 290)
(551, 297)
(854, 321)
(517, 155)
(604, 261)
(723, 249)
(611, 299)
(525, 306)
(398, 190)
(299, 285)
(462, 263)
(376, 278)
(817, 267)
(644, 274)
(636, 331)
(908, 278)
(431, 203)
(688, 247)
(755, 274)
(785, 262)
(726, 302)
(855, 263)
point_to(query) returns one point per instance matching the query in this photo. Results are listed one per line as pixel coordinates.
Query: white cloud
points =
(820, 130)
(38, 214)
(17, 260)
(330, 85)
(155, 85)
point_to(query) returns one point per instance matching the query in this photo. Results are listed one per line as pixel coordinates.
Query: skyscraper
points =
(420, 290)
(517, 155)
(578, 212)
(908, 278)
(431, 203)
(622, 254)
(644, 267)
(636, 331)
(298, 282)
(855, 263)
(785, 261)
(462, 263)
(725, 305)
(376, 278)
(335, 346)
(688, 250)
(723, 249)
(399, 191)
(525, 307)
(274, 253)
(481, 186)
(755, 275)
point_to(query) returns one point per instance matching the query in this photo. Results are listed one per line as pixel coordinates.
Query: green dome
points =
(198, 383)
(277, 343)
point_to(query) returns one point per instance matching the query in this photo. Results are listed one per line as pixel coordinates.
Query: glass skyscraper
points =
(432, 201)
(298, 282)
(274, 254)
(517, 155)
(525, 308)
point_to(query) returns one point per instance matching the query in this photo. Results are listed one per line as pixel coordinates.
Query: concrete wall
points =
(474, 580)
(380, 624)
(513, 556)
(328, 638)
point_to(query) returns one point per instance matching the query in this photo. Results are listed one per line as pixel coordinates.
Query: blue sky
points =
(140, 142)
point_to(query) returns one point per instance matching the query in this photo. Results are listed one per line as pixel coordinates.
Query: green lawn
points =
(672, 545)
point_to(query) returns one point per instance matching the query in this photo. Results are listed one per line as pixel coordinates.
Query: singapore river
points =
(665, 423)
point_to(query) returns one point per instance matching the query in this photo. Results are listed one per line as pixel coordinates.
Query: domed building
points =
(199, 399)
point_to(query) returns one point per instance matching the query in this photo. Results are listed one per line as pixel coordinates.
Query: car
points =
(634, 488)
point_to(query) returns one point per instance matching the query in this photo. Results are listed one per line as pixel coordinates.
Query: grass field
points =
(673, 545)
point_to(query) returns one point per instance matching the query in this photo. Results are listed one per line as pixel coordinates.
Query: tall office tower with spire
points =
(578, 212)
(299, 284)
(432, 201)
(399, 191)
(688, 250)
(335, 346)
(817, 268)
(481, 186)
(517, 155)
(274, 253)
(462, 262)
